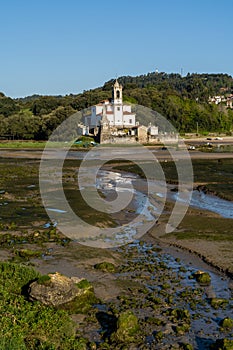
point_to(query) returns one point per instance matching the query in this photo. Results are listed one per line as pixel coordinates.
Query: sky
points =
(59, 47)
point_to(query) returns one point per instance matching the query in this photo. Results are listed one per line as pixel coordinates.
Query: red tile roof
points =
(128, 113)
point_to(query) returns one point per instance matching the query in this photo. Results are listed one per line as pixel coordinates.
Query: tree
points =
(23, 126)
(7, 106)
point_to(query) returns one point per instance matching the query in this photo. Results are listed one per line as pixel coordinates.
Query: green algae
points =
(44, 279)
(127, 327)
(218, 303)
(105, 266)
(203, 278)
(227, 323)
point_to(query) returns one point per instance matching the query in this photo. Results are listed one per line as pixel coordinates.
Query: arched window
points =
(118, 94)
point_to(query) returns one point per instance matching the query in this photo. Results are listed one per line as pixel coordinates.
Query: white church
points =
(112, 111)
(112, 121)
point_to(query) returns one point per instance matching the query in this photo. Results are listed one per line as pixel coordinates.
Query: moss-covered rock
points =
(72, 294)
(54, 289)
(159, 336)
(105, 267)
(180, 315)
(202, 277)
(84, 284)
(182, 329)
(81, 304)
(44, 279)
(227, 323)
(217, 303)
(127, 327)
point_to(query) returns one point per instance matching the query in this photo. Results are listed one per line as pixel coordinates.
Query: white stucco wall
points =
(98, 109)
(127, 108)
(110, 119)
(117, 118)
(129, 119)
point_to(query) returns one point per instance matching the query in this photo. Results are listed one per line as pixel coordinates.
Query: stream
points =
(210, 202)
(177, 273)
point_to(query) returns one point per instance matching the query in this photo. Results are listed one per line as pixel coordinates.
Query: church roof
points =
(111, 112)
(101, 103)
(107, 100)
(128, 113)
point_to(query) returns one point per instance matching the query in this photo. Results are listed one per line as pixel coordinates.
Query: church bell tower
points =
(117, 93)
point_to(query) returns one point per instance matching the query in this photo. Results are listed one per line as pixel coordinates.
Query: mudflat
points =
(154, 277)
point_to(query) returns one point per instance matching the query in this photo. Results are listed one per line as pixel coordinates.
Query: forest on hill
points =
(184, 101)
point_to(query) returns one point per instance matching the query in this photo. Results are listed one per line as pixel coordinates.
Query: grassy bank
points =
(22, 144)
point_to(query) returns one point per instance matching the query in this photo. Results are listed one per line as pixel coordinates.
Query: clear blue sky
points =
(61, 47)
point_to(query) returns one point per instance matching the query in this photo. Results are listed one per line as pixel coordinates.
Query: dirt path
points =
(160, 154)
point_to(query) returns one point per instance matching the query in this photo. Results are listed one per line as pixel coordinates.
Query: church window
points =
(118, 93)
(130, 121)
(118, 108)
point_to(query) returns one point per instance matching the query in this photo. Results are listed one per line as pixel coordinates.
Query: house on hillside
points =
(227, 100)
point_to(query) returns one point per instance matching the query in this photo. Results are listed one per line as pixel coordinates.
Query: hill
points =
(182, 100)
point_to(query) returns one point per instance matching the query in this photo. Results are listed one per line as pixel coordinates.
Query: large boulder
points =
(55, 289)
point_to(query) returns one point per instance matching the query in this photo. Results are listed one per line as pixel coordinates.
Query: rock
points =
(187, 346)
(227, 323)
(202, 277)
(54, 289)
(105, 266)
(127, 327)
(180, 315)
(217, 303)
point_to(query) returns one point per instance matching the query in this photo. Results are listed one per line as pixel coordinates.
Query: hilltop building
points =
(111, 111)
(112, 121)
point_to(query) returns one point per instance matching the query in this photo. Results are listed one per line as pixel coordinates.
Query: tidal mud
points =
(144, 286)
